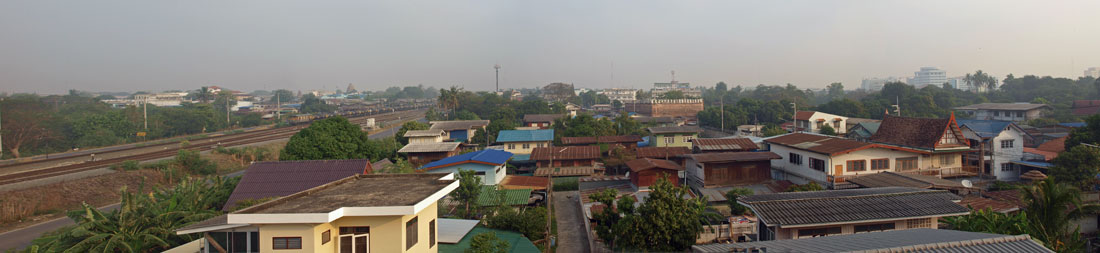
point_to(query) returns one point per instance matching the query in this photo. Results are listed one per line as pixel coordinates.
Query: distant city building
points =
(620, 94)
(874, 84)
(1093, 72)
(928, 76)
(960, 83)
(557, 92)
(682, 108)
(662, 88)
(1015, 112)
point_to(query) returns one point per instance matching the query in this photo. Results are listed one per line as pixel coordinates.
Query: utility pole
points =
(497, 68)
(722, 111)
(1, 135)
(278, 107)
(145, 112)
(227, 113)
(794, 118)
(549, 194)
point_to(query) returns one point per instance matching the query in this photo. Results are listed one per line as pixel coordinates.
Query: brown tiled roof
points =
(734, 157)
(1012, 196)
(524, 182)
(804, 115)
(565, 172)
(1056, 145)
(662, 152)
(277, 179)
(855, 205)
(1047, 155)
(528, 118)
(600, 139)
(566, 153)
(637, 165)
(729, 144)
(888, 179)
(818, 143)
(921, 133)
(675, 129)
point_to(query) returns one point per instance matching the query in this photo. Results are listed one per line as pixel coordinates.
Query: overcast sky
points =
(104, 45)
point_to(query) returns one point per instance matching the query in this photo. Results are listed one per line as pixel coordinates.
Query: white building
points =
(1093, 72)
(1002, 141)
(826, 159)
(1015, 112)
(811, 121)
(623, 95)
(874, 84)
(959, 83)
(928, 76)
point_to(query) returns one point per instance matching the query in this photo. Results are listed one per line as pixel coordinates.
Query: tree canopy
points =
(334, 138)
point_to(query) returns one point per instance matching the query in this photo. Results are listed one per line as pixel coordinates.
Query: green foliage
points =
(566, 183)
(583, 125)
(731, 200)
(989, 221)
(488, 243)
(672, 94)
(284, 96)
(1090, 134)
(772, 130)
(468, 191)
(332, 138)
(1077, 166)
(827, 130)
(144, 222)
(809, 187)
(127, 165)
(312, 104)
(666, 221)
(1051, 209)
(193, 163)
(411, 125)
(399, 166)
(530, 222)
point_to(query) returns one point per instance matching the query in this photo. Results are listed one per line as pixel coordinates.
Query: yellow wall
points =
(387, 233)
(519, 146)
(679, 140)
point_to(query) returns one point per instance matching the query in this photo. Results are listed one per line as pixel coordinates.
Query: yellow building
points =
(524, 141)
(677, 136)
(362, 213)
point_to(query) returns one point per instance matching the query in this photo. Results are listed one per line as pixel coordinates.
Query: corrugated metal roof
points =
(429, 147)
(905, 240)
(491, 156)
(423, 133)
(734, 157)
(458, 124)
(888, 179)
(1003, 106)
(637, 165)
(724, 144)
(525, 135)
(276, 179)
(804, 115)
(675, 129)
(512, 197)
(566, 153)
(817, 143)
(662, 152)
(601, 139)
(855, 205)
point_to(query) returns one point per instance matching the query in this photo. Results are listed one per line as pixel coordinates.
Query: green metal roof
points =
(514, 239)
(512, 197)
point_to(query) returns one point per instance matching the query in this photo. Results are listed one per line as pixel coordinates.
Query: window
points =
(817, 164)
(431, 233)
(526, 145)
(836, 125)
(908, 163)
(411, 234)
(919, 223)
(795, 158)
(874, 227)
(670, 139)
(687, 138)
(326, 237)
(286, 243)
(354, 239)
(1006, 167)
(949, 138)
(511, 146)
(857, 165)
(880, 164)
(1020, 114)
(947, 159)
(1008, 143)
(816, 232)
(539, 145)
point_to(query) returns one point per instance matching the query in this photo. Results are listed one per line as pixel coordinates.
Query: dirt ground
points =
(20, 208)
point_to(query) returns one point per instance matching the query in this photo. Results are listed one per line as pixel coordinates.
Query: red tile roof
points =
(734, 157)
(1086, 107)
(819, 143)
(566, 153)
(662, 152)
(725, 144)
(1047, 155)
(637, 165)
(921, 133)
(804, 115)
(1055, 145)
(524, 182)
(282, 178)
(579, 140)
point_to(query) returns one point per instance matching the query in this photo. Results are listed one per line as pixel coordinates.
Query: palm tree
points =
(204, 94)
(1051, 210)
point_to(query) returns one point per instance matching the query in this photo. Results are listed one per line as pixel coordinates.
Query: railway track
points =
(172, 148)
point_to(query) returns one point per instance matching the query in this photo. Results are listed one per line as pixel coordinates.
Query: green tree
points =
(530, 222)
(835, 91)
(469, 189)
(1089, 134)
(672, 94)
(312, 104)
(981, 79)
(809, 187)
(989, 221)
(284, 96)
(331, 138)
(488, 243)
(827, 130)
(1077, 166)
(731, 200)
(1051, 210)
(666, 221)
(408, 126)
(772, 130)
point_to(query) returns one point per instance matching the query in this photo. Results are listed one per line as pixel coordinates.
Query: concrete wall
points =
(792, 233)
(387, 233)
(805, 172)
(678, 140)
(493, 174)
(1006, 155)
(519, 149)
(427, 139)
(688, 108)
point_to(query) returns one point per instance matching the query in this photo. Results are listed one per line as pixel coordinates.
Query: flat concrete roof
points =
(375, 190)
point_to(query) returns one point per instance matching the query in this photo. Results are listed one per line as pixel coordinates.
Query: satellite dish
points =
(967, 183)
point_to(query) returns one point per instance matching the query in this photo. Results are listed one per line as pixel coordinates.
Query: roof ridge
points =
(918, 191)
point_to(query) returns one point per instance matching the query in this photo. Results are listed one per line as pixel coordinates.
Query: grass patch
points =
(566, 183)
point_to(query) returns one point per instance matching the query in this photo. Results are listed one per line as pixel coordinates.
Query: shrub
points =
(195, 164)
(127, 165)
(565, 184)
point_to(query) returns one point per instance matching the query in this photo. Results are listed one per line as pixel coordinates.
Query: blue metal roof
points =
(492, 156)
(1044, 165)
(525, 135)
(1074, 124)
(985, 128)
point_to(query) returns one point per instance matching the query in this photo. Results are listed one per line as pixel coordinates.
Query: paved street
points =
(571, 234)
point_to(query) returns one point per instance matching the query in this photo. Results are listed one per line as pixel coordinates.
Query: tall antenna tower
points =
(497, 68)
(673, 76)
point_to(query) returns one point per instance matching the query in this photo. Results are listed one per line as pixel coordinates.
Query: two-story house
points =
(677, 136)
(939, 140)
(710, 170)
(425, 136)
(426, 152)
(811, 121)
(523, 142)
(273, 179)
(1015, 112)
(794, 215)
(459, 130)
(829, 160)
(398, 215)
(999, 143)
(541, 121)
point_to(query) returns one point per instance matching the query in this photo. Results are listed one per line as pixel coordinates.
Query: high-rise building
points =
(928, 76)
(1093, 72)
(959, 83)
(874, 83)
(624, 95)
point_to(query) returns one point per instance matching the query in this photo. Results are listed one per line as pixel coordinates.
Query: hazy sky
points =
(52, 46)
